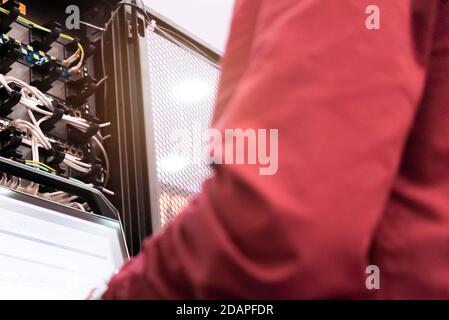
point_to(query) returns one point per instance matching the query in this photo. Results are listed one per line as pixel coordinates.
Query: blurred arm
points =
(343, 99)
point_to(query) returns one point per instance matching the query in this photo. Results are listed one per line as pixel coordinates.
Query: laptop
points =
(50, 251)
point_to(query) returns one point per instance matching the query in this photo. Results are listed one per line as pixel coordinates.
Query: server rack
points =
(145, 197)
(149, 200)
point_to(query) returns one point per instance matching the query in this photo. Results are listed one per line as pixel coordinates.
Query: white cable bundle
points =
(31, 98)
(27, 91)
(32, 188)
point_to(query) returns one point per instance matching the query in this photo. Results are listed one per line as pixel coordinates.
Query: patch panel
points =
(67, 147)
(26, 54)
(47, 114)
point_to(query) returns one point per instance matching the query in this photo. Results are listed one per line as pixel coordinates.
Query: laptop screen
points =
(48, 251)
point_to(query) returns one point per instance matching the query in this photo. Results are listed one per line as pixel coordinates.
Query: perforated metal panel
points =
(183, 87)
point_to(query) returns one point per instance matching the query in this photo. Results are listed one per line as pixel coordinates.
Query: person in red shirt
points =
(363, 173)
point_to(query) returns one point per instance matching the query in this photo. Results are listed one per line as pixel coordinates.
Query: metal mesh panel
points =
(183, 89)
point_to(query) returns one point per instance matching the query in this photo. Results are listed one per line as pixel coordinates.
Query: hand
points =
(90, 294)
(97, 293)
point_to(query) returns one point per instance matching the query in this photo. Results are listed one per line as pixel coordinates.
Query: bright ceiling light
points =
(192, 90)
(173, 164)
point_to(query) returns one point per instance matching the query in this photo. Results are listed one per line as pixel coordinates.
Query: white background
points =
(208, 20)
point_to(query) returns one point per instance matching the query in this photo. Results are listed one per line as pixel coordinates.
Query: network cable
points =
(79, 53)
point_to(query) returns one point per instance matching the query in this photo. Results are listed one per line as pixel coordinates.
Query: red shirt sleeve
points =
(411, 242)
(343, 99)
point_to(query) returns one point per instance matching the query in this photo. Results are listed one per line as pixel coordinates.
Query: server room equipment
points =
(179, 81)
(48, 251)
(87, 118)
(163, 84)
